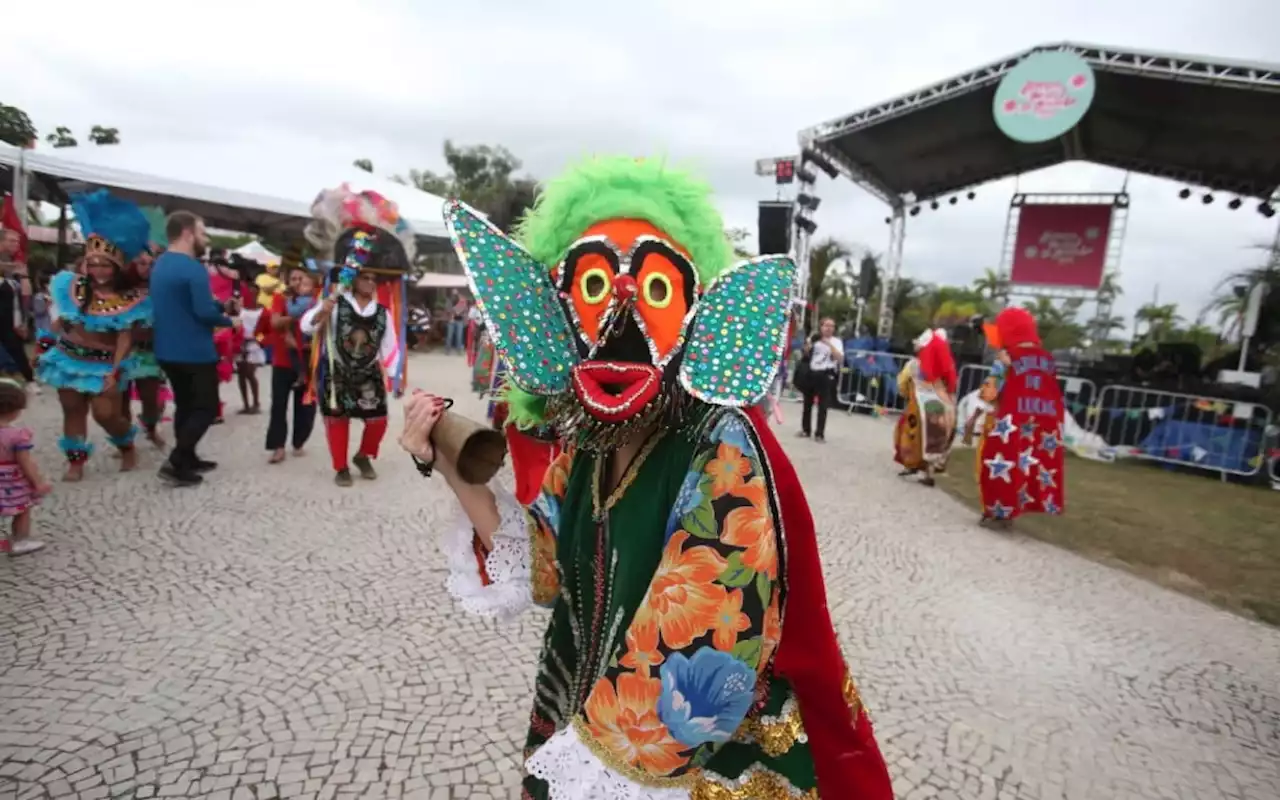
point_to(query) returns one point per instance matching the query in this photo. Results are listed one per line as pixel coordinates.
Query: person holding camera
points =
(823, 355)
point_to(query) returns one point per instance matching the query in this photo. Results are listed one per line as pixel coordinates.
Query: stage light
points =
(971, 195)
(1207, 199)
(806, 176)
(915, 211)
(1184, 194)
(1266, 210)
(820, 161)
(807, 225)
(888, 220)
(934, 205)
(954, 200)
(1234, 204)
(808, 201)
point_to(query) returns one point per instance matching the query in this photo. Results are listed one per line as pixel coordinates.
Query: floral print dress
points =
(655, 678)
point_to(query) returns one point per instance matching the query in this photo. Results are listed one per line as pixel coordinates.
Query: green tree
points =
(1162, 320)
(100, 135)
(364, 164)
(1057, 322)
(15, 126)
(482, 176)
(61, 137)
(822, 257)
(990, 285)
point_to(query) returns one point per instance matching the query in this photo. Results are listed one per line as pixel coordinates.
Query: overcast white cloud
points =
(712, 83)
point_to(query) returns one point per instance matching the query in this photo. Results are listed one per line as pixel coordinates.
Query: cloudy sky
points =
(712, 83)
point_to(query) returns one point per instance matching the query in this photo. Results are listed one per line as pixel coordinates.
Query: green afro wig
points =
(601, 189)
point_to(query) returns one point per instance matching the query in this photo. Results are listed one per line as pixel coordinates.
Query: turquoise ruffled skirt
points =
(80, 369)
(142, 364)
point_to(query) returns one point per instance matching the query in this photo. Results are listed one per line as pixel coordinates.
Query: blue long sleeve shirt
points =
(185, 313)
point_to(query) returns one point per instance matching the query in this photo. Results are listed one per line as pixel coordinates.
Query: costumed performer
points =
(924, 433)
(97, 314)
(145, 378)
(225, 283)
(690, 652)
(358, 353)
(1021, 461)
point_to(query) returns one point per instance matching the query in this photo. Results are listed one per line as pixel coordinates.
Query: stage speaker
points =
(774, 230)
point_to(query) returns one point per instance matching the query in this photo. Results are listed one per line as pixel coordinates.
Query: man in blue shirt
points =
(186, 315)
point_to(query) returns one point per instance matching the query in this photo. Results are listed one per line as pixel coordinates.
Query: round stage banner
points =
(1043, 97)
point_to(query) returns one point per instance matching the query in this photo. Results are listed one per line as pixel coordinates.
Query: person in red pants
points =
(359, 356)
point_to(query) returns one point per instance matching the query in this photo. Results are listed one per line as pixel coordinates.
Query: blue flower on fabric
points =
(705, 699)
(731, 431)
(549, 508)
(689, 498)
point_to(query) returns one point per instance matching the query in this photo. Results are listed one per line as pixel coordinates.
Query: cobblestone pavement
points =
(267, 635)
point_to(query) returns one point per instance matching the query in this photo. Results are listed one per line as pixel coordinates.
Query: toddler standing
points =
(21, 484)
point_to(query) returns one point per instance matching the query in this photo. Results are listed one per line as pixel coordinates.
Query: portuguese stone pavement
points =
(267, 635)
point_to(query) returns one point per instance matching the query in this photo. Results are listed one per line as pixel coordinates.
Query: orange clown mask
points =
(620, 327)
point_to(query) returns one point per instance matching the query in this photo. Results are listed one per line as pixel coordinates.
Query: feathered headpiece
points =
(113, 228)
(361, 230)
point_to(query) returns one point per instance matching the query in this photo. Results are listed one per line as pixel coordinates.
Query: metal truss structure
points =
(1211, 72)
(1104, 295)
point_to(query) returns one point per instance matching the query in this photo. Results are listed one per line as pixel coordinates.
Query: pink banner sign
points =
(1061, 245)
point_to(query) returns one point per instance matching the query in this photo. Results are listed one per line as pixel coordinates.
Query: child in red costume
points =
(1021, 460)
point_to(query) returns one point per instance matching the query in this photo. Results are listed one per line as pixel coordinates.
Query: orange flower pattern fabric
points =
(685, 675)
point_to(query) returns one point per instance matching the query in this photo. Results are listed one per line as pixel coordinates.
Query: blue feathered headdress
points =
(111, 223)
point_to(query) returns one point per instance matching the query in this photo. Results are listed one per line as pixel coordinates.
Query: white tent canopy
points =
(441, 280)
(254, 251)
(237, 187)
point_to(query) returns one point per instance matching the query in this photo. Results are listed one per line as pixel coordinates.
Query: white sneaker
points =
(21, 547)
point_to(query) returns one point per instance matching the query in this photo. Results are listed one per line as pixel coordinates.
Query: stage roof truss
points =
(893, 189)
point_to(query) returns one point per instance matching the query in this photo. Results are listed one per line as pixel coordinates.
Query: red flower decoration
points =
(1079, 81)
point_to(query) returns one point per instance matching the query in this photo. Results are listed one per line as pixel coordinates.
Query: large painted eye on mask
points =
(667, 287)
(586, 276)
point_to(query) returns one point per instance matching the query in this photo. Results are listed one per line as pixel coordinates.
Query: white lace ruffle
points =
(510, 590)
(574, 773)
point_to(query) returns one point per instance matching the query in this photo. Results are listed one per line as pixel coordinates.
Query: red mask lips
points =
(613, 391)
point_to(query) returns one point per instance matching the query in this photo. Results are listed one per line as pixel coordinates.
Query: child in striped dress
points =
(21, 483)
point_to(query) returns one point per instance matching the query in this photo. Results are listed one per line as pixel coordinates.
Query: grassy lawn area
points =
(1193, 533)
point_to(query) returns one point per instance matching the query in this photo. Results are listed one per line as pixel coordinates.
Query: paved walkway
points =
(267, 635)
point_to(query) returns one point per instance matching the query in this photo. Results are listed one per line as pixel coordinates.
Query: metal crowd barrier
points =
(1208, 433)
(869, 380)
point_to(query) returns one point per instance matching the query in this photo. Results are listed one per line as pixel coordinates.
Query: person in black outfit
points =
(13, 304)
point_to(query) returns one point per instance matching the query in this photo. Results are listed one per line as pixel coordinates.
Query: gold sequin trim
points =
(775, 735)
(756, 783)
(852, 698)
(629, 771)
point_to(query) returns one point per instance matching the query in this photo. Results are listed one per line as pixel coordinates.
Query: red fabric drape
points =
(845, 754)
(937, 363)
(11, 220)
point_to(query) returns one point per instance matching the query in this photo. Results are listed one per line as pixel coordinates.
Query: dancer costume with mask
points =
(1021, 461)
(924, 432)
(358, 356)
(690, 652)
(115, 232)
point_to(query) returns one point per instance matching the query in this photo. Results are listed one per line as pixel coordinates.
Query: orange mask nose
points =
(624, 286)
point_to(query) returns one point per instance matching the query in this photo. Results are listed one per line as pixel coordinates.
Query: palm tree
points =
(821, 258)
(1162, 321)
(991, 285)
(1231, 294)
(1057, 323)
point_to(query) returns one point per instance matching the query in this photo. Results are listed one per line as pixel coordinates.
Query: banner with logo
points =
(1061, 245)
(1043, 97)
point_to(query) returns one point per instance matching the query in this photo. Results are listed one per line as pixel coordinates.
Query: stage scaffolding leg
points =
(802, 247)
(892, 267)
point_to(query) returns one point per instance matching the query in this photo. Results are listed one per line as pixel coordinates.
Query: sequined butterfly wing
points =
(738, 332)
(521, 306)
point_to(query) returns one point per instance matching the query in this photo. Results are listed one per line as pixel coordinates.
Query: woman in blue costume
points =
(97, 313)
(144, 373)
